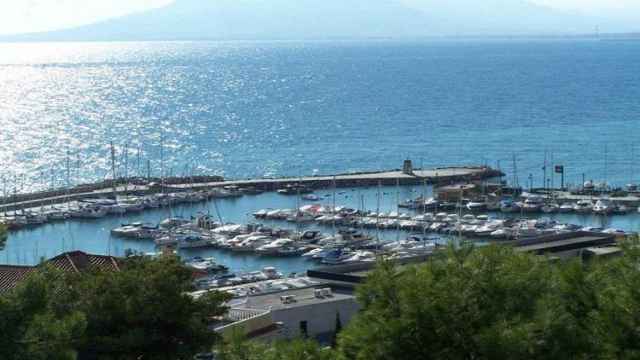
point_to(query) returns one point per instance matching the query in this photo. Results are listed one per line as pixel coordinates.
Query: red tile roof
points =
(76, 261)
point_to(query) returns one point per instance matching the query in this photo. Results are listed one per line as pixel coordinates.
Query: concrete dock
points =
(441, 176)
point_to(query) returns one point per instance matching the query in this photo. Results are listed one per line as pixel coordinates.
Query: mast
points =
(515, 172)
(113, 170)
(378, 219)
(398, 208)
(333, 210)
(606, 165)
(162, 159)
(544, 170)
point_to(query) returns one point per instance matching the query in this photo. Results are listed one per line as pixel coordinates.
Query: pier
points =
(406, 176)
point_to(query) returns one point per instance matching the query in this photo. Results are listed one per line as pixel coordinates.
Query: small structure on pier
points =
(407, 167)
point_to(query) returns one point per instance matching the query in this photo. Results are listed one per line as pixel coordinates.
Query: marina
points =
(391, 218)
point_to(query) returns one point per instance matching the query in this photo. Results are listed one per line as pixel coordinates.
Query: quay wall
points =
(441, 176)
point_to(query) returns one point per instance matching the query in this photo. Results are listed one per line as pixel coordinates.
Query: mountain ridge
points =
(328, 19)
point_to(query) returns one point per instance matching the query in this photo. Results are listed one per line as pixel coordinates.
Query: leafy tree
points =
(465, 304)
(237, 348)
(4, 234)
(144, 312)
(34, 323)
(338, 329)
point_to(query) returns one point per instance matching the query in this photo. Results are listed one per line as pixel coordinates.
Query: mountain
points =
(323, 19)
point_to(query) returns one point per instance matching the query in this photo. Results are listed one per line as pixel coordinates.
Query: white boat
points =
(205, 264)
(261, 214)
(533, 204)
(583, 207)
(508, 206)
(603, 207)
(311, 197)
(174, 222)
(550, 208)
(274, 247)
(89, 212)
(566, 208)
(476, 205)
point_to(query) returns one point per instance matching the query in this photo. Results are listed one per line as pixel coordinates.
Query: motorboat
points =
(136, 231)
(273, 247)
(566, 208)
(476, 205)
(336, 256)
(603, 207)
(533, 204)
(311, 197)
(508, 206)
(583, 207)
(550, 208)
(173, 222)
(205, 264)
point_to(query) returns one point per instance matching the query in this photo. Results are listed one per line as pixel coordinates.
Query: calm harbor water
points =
(252, 109)
(93, 236)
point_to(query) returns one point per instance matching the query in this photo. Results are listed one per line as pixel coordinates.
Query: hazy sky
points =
(19, 16)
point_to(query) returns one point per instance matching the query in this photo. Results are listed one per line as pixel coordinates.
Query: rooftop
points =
(75, 261)
(302, 297)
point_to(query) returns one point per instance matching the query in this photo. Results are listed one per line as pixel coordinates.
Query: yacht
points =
(508, 206)
(550, 208)
(274, 247)
(566, 208)
(311, 197)
(603, 207)
(583, 207)
(533, 204)
(205, 264)
(476, 205)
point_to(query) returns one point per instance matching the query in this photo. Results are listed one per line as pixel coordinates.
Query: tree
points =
(237, 348)
(338, 328)
(144, 312)
(464, 304)
(35, 322)
(141, 312)
(4, 234)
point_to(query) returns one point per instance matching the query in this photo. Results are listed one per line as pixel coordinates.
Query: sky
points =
(23, 16)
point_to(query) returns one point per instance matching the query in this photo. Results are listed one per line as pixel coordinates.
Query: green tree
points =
(465, 304)
(144, 312)
(36, 323)
(4, 234)
(237, 348)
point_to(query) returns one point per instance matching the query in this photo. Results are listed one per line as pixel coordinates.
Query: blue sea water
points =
(252, 109)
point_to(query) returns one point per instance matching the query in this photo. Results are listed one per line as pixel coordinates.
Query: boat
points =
(603, 207)
(273, 247)
(508, 206)
(89, 212)
(532, 204)
(174, 222)
(583, 207)
(476, 205)
(136, 231)
(336, 256)
(566, 208)
(311, 197)
(205, 264)
(550, 208)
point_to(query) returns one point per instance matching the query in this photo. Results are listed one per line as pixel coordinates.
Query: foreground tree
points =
(35, 321)
(144, 312)
(238, 348)
(141, 312)
(495, 303)
(4, 234)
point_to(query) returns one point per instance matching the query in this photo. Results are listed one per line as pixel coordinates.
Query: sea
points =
(262, 109)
